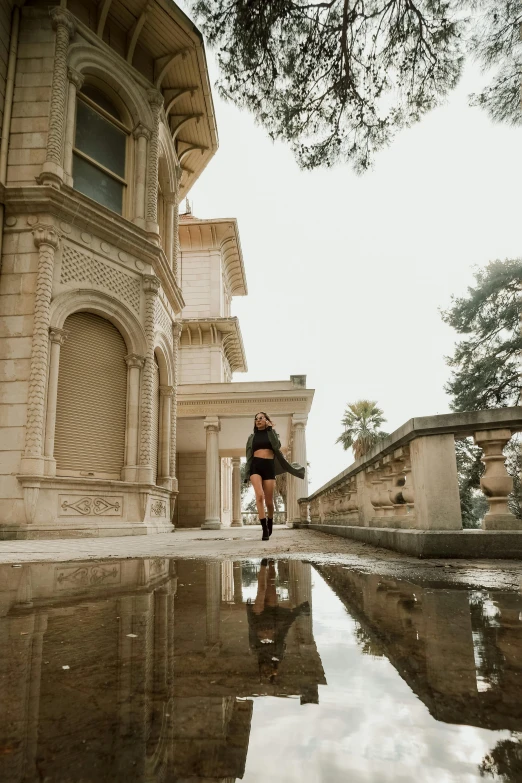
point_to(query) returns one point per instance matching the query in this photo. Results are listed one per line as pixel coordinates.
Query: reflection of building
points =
(128, 669)
(460, 652)
(106, 122)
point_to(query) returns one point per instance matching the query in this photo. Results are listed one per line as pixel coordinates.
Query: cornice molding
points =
(231, 338)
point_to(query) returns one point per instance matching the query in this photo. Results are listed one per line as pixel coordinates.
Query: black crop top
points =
(261, 441)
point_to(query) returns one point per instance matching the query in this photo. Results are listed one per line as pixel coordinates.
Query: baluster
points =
(496, 483)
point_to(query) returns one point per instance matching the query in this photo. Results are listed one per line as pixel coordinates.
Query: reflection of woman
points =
(264, 463)
(268, 623)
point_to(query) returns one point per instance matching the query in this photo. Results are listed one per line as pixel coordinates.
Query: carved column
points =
(57, 337)
(151, 285)
(238, 582)
(297, 488)
(237, 520)
(166, 394)
(52, 170)
(134, 367)
(156, 102)
(175, 237)
(176, 334)
(46, 240)
(212, 485)
(171, 207)
(213, 607)
(496, 483)
(142, 136)
(75, 84)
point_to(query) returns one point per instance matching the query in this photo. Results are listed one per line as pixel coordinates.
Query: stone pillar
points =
(212, 486)
(213, 603)
(176, 334)
(134, 367)
(75, 84)
(496, 483)
(142, 135)
(238, 582)
(166, 393)
(435, 483)
(170, 209)
(156, 102)
(300, 584)
(46, 240)
(237, 520)
(175, 238)
(52, 169)
(57, 337)
(296, 487)
(33, 710)
(151, 285)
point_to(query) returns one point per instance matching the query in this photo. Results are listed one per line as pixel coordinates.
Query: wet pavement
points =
(199, 671)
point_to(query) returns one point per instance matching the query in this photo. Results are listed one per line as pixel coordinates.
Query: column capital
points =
(212, 423)
(61, 17)
(46, 235)
(177, 328)
(166, 391)
(151, 284)
(156, 99)
(236, 462)
(133, 360)
(299, 420)
(58, 335)
(75, 77)
(141, 130)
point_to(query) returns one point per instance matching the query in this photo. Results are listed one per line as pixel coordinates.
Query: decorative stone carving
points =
(75, 77)
(46, 239)
(151, 286)
(81, 268)
(496, 483)
(158, 508)
(67, 577)
(156, 102)
(52, 171)
(90, 506)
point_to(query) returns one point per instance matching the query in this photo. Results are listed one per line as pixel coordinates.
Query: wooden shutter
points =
(92, 399)
(155, 421)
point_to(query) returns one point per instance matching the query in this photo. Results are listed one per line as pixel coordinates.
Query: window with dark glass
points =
(100, 147)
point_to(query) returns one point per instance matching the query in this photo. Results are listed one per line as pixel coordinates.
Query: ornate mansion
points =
(118, 414)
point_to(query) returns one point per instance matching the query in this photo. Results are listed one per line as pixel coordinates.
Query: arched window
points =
(92, 399)
(100, 149)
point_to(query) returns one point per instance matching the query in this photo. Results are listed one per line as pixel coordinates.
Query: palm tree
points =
(361, 422)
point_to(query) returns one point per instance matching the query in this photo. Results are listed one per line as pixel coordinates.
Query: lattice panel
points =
(163, 320)
(81, 268)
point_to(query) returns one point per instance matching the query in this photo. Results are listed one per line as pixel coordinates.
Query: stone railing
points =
(253, 519)
(410, 479)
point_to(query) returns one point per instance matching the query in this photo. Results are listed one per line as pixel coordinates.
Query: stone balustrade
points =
(409, 481)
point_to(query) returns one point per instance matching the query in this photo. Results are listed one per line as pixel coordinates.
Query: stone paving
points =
(244, 543)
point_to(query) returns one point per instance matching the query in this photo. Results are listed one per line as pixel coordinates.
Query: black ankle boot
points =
(269, 523)
(265, 530)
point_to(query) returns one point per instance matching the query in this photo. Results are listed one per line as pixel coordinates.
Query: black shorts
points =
(263, 467)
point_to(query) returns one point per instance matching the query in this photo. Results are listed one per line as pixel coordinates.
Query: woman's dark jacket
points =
(280, 463)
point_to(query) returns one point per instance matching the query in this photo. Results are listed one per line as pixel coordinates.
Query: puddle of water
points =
(193, 671)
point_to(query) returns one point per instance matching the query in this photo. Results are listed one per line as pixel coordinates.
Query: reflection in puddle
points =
(193, 671)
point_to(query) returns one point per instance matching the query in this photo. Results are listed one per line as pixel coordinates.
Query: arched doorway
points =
(91, 400)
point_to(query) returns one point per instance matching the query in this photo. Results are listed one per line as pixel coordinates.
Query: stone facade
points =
(89, 226)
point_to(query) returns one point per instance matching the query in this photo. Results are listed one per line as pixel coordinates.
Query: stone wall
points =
(32, 94)
(5, 34)
(17, 285)
(195, 283)
(191, 473)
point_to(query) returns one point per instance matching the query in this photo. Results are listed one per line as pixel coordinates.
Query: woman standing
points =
(264, 463)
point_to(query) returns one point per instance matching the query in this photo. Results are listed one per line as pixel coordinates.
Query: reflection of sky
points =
(368, 725)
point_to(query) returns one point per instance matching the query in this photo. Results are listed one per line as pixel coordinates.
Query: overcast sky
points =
(346, 273)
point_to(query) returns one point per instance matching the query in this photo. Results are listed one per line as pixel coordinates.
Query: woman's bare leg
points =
(268, 489)
(271, 593)
(257, 483)
(259, 603)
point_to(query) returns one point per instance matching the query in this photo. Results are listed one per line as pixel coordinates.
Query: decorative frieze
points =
(90, 506)
(78, 267)
(158, 508)
(67, 577)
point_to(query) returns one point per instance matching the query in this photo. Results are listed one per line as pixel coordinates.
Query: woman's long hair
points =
(257, 414)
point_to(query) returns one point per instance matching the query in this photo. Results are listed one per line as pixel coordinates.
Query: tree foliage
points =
(361, 427)
(337, 79)
(485, 364)
(486, 372)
